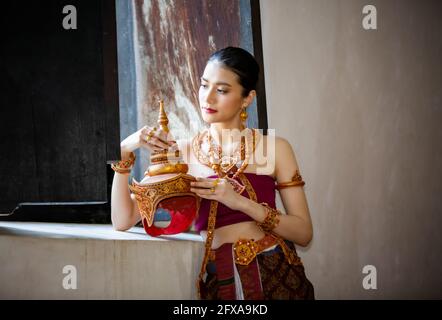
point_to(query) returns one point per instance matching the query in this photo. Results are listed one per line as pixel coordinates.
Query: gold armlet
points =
(296, 181)
(124, 166)
(271, 220)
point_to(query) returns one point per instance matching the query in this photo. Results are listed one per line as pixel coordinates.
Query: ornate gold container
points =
(166, 204)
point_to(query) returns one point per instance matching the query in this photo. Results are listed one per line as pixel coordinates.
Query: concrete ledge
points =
(84, 231)
(109, 264)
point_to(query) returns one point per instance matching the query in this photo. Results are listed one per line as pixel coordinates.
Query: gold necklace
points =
(220, 164)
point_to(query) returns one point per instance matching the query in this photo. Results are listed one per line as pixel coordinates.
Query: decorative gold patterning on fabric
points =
(249, 187)
(245, 252)
(208, 245)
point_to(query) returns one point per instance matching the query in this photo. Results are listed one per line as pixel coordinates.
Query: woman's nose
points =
(210, 96)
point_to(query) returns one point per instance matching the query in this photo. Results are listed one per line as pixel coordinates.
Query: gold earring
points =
(243, 115)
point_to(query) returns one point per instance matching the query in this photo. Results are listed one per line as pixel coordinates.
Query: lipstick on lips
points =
(208, 110)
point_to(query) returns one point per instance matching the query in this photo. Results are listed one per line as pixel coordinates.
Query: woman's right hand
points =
(159, 140)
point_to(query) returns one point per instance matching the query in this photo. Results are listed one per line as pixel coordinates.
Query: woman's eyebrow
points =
(218, 83)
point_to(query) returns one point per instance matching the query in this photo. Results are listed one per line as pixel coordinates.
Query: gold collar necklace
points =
(223, 165)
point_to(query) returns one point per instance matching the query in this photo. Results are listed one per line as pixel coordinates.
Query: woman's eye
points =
(221, 91)
(203, 85)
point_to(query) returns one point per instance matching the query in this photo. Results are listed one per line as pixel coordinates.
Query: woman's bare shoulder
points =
(274, 142)
(286, 160)
(282, 142)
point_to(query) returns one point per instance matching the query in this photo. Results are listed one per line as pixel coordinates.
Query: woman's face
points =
(221, 92)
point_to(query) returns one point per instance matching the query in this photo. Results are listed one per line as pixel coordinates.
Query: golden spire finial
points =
(163, 121)
(165, 160)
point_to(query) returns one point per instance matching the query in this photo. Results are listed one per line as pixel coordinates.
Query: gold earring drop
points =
(243, 115)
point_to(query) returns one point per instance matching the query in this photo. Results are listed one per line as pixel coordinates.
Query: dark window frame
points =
(99, 213)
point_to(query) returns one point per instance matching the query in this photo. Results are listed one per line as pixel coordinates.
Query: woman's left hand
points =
(223, 191)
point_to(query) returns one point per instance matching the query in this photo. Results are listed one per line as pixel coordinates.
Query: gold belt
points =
(245, 250)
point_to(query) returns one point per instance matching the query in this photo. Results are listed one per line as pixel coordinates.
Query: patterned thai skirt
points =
(272, 273)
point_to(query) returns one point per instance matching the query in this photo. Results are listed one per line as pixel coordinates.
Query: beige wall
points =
(362, 111)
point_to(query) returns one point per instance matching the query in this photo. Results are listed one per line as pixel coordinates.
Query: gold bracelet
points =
(296, 181)
(124, 166)
(271, 220)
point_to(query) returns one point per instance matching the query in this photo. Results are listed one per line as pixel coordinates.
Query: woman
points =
(249, 244)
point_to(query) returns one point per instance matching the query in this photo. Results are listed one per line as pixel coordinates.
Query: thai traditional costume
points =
(250, 269)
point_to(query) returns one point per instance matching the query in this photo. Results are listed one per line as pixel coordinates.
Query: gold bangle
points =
(124, 166)
(296, 181)
(122, 171)
(271, 220)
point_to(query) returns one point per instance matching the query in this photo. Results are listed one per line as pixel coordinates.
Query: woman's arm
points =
(296, 225)
(124, 210)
